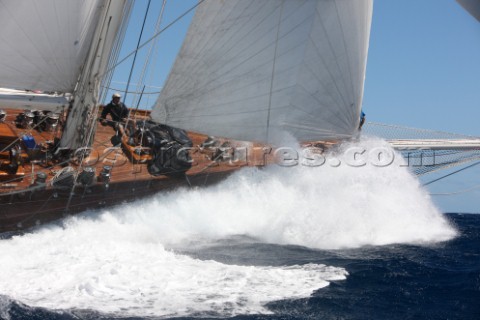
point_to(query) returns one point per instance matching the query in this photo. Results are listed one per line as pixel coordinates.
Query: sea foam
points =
(117, 260)
(114, 268)
(344, 203)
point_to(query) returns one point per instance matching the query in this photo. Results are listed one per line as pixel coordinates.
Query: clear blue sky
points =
(423, 71)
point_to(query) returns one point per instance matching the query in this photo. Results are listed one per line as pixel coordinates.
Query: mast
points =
(82, 113)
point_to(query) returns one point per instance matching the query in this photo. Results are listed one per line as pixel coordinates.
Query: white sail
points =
(472, 6)
(250, 68)
(45, 43)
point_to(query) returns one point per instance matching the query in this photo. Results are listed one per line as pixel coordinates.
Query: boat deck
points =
(127, 165)
(27, 201)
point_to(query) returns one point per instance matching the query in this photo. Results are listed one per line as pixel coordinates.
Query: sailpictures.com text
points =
(261, 156)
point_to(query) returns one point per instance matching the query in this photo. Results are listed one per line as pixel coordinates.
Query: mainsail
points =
(45, 43)
(249, 69)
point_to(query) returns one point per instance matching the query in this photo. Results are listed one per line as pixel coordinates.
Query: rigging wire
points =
(452, 173)
(456, 192)
(153, 37)
(106, 82)
(136, 50)
(155, 48)
(151, 50)
(134, 92)
(372, 127)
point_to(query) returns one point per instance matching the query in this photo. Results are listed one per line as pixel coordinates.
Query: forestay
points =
(45, 43)
(249, 69)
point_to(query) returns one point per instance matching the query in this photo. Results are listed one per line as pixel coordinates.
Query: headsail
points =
(248, 69)
(45, 43)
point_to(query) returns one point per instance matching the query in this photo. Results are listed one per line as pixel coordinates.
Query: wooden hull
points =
(35, 206)
(25, 203)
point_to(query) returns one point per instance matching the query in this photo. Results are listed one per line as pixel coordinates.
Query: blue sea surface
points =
(438, 281)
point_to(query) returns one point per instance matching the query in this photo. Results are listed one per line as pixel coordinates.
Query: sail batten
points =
(250, 69)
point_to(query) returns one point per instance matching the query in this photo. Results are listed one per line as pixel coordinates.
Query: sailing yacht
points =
(247, 73)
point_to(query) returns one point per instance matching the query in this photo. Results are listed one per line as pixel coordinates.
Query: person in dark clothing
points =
(118, 112)
(362, 120)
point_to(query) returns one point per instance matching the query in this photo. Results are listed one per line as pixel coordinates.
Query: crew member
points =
(118, 112)
(362, 120)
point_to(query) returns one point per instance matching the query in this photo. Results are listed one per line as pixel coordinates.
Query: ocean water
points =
(334, 241)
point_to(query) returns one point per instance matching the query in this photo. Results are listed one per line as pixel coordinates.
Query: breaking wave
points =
(331, 206)
(117, 261)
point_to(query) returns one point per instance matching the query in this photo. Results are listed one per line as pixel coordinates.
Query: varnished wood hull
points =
(24, 203)
(35, 206)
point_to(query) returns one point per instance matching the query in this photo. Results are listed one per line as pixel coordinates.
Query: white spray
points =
(115, 261)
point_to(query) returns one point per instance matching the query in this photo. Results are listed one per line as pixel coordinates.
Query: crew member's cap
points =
(116, 95)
